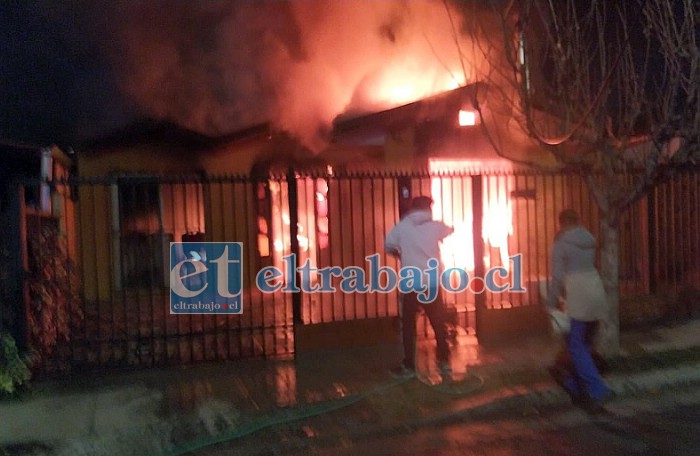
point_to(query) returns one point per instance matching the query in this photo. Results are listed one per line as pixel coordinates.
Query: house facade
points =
(141, 190)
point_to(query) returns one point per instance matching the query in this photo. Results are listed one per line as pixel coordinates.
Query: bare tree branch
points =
(620, 108)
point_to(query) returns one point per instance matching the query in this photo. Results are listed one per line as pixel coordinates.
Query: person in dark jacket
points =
(575, 276)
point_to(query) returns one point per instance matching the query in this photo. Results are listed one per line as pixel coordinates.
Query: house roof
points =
(432, 117)
(345, 128)
(149, 131)
(437, 108)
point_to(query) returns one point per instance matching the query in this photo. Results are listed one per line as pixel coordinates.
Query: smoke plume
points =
(219, 66)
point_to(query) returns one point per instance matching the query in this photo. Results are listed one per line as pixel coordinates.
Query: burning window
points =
(467, 118)
(262, 208)
(148, 216)
(140, 227)
(321, 197)
(453, 197)
(274, 240)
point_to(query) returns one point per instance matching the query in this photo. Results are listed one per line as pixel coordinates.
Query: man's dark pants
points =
(436, 315)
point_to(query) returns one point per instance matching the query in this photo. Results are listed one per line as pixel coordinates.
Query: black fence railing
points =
(110, 301)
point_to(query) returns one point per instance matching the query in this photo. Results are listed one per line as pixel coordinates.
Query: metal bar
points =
(293, 238)
(694, 225)
(477, 225)
(364, 237)
(335, 238)
(20, 266)
(97, 298)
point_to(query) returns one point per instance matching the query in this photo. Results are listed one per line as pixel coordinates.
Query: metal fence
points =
(112, 237)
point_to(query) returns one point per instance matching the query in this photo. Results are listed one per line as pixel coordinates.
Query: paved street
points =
(651, 424)
(345, 402)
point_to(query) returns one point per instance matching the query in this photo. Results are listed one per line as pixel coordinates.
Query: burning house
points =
(331, 207)
(311, 141)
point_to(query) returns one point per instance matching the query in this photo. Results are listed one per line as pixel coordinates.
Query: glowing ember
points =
(467, 118)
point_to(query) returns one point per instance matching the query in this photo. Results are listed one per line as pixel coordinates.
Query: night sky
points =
(56, 85)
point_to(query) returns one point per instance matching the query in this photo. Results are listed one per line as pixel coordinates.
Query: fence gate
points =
(507, 220)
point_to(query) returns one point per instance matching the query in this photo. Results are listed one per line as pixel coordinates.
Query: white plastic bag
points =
(561, 322)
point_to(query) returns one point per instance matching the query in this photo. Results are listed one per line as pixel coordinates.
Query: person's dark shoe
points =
(402, 371)
(600, 363)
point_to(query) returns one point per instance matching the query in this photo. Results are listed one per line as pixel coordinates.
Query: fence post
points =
(479, 248)
(293, 239)
(652, 219)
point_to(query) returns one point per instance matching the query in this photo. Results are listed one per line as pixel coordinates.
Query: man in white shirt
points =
(415, 240)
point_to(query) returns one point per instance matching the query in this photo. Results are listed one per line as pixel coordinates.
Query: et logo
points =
(206, 278)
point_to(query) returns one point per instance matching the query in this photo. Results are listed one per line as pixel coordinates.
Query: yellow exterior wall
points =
(95, 237)
(236, 158)
(137, 160)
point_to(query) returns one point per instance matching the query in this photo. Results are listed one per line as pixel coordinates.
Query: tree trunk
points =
(609, 337)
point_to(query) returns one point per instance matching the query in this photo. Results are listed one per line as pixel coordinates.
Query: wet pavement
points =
(659, 424)
(333, 394)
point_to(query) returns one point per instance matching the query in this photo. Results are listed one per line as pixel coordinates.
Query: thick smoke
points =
(217, 67)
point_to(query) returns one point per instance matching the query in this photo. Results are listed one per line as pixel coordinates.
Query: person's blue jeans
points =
(585, 381)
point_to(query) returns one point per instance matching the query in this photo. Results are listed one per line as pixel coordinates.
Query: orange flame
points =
(454, 206)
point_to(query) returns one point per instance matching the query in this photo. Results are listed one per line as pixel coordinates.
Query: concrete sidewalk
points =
(320, 395)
